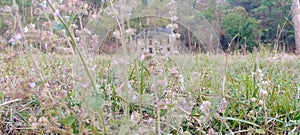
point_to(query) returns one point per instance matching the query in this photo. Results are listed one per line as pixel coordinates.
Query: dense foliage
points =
(249, 23)
(274, 19)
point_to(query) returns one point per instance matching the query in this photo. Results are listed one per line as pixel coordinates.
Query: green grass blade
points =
(243, 121)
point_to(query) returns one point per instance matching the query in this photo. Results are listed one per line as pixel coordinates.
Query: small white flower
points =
(261, 102)
(46, 46)
(130, 31)
(26, 29)
(32, 26)
(173, 18)
(175, 52)
(135, 116)
(170, 3)
(259, 71)
(56, 13)
(142, 58)
(12, 41)
(205, 107)
(85, 85)
(169, 26)
(172, 26)
(117, 34)
(131, 117)
(129, 87)
(223, 105)
(263, 93)
(265, 82)
(253, 99)
(32, 84)
(175, 25)
(134, 97)
(175, 36)
(18, 36)
(180, 79)
(44, 4)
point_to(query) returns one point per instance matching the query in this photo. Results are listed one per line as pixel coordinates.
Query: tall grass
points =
(53, 103)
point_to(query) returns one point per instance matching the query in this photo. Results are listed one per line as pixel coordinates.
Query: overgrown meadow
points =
(50, 85)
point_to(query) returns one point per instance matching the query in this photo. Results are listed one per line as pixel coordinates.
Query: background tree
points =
(296, 21)
(238, 24)
(274, 19)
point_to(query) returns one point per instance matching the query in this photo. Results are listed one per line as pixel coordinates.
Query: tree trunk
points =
(296, 21)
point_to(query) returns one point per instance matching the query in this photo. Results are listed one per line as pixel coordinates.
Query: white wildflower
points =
(205, 107)
(134, 97)
(43, 120)
(135, 116)
(85, 85)
(117, 34)
(32, 84)
(26, 29)
(172, 26)
(56, 13)
(44, 4)
(263, 93)
(212, 132)
(130, 31)
(253, 99)
(223, 105)
(181, 79)
(15, 38)
(265, 82)
(173, 18)
(261, 102)
(18, 36)
(260, 75)
(142, 58)
(175, 36)
(175, 52)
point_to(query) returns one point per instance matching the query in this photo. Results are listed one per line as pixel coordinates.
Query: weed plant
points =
(44, 92)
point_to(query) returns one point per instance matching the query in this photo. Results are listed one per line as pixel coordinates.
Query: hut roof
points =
(150, 33)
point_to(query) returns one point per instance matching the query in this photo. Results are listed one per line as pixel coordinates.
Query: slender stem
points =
(8, 102)
(121, 28)
(76, 48)
(158, 122)
(266, 113)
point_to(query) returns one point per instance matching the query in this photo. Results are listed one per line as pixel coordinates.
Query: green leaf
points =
(260, 131)
(147, 97)
(58, 27)
(71, 20)
(74, 127)
(243, 121)
(1, 96)
(95, 102)
(187, 133)
(69, 120)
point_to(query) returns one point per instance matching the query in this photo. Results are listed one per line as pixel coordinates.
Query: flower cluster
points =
(15, 39)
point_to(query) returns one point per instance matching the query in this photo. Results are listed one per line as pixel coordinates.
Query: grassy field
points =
(182, 94)
(69, 92)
